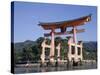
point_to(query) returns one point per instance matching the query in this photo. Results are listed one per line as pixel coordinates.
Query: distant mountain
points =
(20, 45)
(90, 46)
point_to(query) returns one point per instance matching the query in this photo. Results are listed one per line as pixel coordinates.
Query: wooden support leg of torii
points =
(44, 45)
(43, 52)
(58, 52)
(75, 42)
(52, 50)
(74, 49)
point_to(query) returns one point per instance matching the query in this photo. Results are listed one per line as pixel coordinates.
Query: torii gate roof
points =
(63, 24)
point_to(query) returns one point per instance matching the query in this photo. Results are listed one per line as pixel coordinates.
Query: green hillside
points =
(31, 50)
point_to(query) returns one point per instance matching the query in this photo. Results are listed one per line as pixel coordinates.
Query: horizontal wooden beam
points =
(65, 33)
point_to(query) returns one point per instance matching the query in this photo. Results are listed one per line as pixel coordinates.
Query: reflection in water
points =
(63, 67)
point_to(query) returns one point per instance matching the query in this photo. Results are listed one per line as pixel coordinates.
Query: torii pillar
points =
(75, 41)
(74, 35)
(52, 46)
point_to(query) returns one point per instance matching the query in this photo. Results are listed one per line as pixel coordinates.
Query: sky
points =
(27, 16)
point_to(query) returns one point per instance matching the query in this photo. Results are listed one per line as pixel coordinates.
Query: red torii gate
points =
(63, 25)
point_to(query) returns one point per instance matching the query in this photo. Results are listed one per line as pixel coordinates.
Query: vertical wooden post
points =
(75, 41)
(43, 52)
(52, 46)
(81, 50)
(74, 35)
(69, 48)
(58, 52)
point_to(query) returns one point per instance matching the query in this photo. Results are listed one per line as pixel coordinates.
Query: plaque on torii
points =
(63, 25)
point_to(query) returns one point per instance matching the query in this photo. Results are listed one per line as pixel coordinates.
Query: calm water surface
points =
(35, 69)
